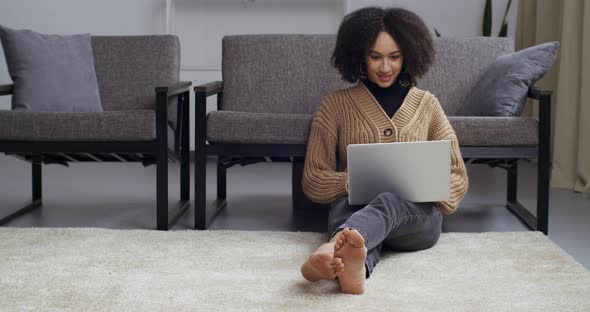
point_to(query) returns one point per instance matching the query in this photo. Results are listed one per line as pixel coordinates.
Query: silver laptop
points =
(417, 171)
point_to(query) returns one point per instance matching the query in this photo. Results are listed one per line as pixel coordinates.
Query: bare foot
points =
(322, 265)
(350, 247)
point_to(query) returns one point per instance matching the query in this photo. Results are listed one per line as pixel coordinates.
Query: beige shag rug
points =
(135, 270)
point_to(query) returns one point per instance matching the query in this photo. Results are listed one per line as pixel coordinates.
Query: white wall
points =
(203, 23)
(452, 18)
(200, 24)
(129, 17)
(79, 16)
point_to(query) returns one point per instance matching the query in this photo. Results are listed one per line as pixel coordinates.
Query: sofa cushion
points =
(278, 73)
(51, 73)
(459, 64)
(259, 128)
(495, 131)
(128, 68)
(288, 73)
(502, 90)
(64, 126)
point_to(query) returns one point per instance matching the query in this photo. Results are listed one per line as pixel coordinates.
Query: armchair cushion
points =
(503, 88)
(258, 128)
(495, 131)
(51, 73)
(264, 128)
(92, 126)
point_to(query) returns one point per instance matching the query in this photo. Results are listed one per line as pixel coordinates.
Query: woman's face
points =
(384, 60)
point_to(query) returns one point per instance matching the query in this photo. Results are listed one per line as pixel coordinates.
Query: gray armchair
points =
(273, 84)
(145, 119)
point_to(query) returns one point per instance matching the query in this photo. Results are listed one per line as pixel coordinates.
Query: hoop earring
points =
(404, 79)
(362, 74)
(404, 83)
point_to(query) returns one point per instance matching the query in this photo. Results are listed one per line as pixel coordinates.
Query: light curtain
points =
(569, 23)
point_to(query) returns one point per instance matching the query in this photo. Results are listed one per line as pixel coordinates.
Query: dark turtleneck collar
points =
(390, 98)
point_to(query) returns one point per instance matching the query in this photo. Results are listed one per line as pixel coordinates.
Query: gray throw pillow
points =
(51, 73)
(503, 88)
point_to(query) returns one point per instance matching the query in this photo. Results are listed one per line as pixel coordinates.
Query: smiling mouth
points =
(384, 78)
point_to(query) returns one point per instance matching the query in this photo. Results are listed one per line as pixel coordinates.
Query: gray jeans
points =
(389, 222)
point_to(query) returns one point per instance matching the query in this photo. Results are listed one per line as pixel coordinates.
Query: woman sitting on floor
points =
(385, 51)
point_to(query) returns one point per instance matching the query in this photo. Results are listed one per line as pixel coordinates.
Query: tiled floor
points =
(119, 195)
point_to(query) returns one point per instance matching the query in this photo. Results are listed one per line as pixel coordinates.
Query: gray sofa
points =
(273, 84)
(145, 119)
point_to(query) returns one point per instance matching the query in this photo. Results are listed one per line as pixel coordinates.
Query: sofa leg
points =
(511, 198)
(167, 216)
(512, 181)
(202, 219)
(185, 177)
(200, 189)
(36, 197)
(221, 181)
(185, 154)
(540, 221)
(544, 164)
(298, 198)
(37, 180)
(162, 191)
(543, 187)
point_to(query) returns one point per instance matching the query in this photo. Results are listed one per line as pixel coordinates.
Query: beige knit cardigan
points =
(353, 116)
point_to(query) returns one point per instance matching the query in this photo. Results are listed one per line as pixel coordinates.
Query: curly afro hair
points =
(359, 30)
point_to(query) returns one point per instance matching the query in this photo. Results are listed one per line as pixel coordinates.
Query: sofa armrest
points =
(536, 92)
(6, 89)
(201, 93)
(209, 89)
(543, 96)
(181, 90)
(174, 88)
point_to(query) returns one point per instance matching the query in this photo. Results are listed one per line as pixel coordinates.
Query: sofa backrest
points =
(128, 69)
(278, 73)
(458, 65)
(291, 73)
